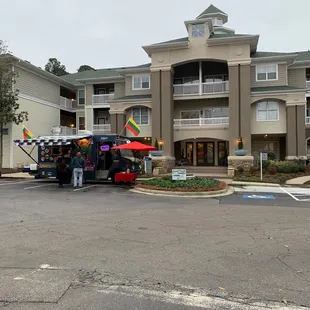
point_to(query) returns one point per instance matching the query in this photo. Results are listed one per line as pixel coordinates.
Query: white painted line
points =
(288, 193)
(13, 183)
(37, 186)
(82, 188)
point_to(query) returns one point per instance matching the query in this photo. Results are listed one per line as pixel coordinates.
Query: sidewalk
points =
(17, 175)
(298, 181)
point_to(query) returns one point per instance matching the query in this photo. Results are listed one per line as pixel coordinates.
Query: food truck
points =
(102, 163)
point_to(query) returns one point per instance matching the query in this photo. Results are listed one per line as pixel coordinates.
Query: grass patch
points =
(191, 185)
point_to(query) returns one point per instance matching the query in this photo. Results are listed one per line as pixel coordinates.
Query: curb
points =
(225, 192)
(255, 184)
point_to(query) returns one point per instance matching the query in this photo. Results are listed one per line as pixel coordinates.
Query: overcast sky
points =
(106, 33)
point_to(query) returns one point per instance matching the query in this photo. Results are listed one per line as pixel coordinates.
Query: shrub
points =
(271, 156)
(240, 144)
(156, 144)
(272, 169)
(240, 169)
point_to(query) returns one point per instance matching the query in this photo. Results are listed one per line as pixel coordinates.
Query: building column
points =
(156, 105)
(118, 122)
(163, 109)
(89, 112)
(296, 131)
(239, 105)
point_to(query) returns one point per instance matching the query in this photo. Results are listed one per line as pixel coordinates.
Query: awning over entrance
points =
(50, 140)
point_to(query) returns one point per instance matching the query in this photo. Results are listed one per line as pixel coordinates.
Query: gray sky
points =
(105, 33)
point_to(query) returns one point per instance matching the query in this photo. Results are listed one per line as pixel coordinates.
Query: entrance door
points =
(189, 152)
(205, 154)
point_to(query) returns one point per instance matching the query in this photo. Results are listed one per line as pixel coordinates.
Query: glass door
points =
(205, 154)
(189, 152)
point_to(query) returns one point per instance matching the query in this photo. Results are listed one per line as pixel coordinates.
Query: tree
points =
(85, 68)
(55, 67)
(9, 108)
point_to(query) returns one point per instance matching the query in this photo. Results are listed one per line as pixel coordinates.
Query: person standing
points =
(62, 173)
(78, 165)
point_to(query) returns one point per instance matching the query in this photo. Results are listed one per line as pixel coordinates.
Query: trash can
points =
(147, 165)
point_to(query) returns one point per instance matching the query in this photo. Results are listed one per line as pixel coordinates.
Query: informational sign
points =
(5, 131)
(264, 156)
(179, 174)
(259, 196)
(105, 148)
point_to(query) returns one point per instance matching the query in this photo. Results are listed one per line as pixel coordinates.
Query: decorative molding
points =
(293, 104)
(236, 62)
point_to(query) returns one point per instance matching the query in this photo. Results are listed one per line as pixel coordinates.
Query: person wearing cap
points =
(78, 165)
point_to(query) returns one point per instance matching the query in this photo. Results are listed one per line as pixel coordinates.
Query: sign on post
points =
(179, 174)
(263, 156)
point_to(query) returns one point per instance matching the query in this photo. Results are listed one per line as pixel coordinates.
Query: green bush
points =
(271, 156)
(167, 182)
(285, 166)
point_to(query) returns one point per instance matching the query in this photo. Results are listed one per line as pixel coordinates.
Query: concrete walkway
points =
(298, 181)
(17, 175)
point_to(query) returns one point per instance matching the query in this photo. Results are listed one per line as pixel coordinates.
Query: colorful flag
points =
(133, 127)
(27, 134)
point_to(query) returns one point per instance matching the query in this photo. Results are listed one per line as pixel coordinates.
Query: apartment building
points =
(199, 94)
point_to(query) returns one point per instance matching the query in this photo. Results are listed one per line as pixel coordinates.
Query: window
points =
(81, 97)
(268, 111)
(82, 123)
(267, 72)
(189, 114)
(217, 21)
(141, 82)
(140, 116)
(198, 30)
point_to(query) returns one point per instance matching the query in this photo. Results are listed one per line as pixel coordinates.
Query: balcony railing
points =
(67, 103)
(201, 89)
(102, 99)
(101, 127)
(200, 122)
(308, 85)
(68, 131)
(308, 120)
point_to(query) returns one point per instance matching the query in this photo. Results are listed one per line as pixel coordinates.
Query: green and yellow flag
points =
(133, 127)
(27, 133)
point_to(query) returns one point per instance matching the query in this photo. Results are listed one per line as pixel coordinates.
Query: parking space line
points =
(13, 183)
(37, 186)
(288, 193)
(86, 187)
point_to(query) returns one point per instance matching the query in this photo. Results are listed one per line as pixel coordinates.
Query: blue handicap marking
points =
(259, 196)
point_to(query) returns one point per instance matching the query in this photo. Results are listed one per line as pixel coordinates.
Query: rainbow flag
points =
(27, 134)
(133, 127)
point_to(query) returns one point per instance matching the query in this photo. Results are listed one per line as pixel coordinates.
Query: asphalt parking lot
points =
(75, 249)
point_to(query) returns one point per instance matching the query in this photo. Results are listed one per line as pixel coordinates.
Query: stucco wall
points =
(268, 127)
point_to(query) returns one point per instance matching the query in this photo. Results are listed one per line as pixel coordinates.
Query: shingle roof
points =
(100, 73)
(303, 56)
(227, 35)
(185, 39)
(274, 88)
(135, 97)
(211, 10)
(270, 54)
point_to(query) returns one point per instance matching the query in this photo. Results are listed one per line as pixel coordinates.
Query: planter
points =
(157, 153)
(240, 152)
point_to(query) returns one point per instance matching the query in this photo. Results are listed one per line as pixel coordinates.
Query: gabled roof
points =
(99, 73)
(303, 56)
(211, 10)
(185, 39)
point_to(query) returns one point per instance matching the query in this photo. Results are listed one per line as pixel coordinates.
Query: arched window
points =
(267, 111)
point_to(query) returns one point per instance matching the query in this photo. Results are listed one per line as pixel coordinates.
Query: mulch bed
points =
(219, 187)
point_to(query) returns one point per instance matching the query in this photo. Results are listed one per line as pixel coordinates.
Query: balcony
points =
(102, 100)
(201, 88)
(101, 128)
(201, 122)
(308, 85)
(67, 103)
(68, 131)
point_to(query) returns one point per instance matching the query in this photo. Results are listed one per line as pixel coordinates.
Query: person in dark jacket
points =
(78, 165)
(62, 173)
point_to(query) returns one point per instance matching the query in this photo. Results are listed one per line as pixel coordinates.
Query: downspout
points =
(239, 103)
(160, 105)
